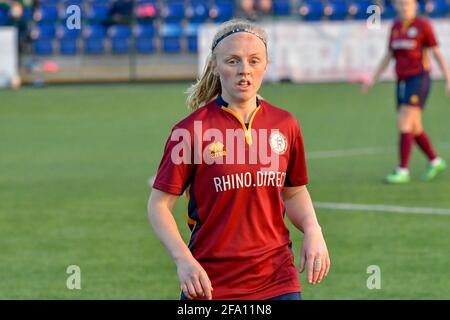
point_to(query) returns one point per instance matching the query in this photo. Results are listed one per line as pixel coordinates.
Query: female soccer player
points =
(411, 39)
(241, 162)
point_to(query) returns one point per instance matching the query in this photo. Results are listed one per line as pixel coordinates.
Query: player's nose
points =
(244, 68)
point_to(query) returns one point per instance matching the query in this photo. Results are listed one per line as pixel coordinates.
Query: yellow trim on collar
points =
(248, 132)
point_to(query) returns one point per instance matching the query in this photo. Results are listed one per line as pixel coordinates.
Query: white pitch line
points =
(357, 152)
(344, 153)
(381, 208)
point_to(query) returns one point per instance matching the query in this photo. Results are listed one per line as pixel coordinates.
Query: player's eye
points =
(254, 61)
(232, 61)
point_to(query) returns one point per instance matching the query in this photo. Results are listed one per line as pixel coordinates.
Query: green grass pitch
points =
(74, 165)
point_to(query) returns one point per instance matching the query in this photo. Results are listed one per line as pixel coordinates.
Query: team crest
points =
(412, 32)
(414, 99)
(278, 142)
(216, 149)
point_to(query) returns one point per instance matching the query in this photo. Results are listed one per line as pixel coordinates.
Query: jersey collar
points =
(247, 130)
(223, 103)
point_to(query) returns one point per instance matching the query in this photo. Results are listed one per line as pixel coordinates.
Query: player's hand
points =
(194, 281)
(314, 256)
(367, 84)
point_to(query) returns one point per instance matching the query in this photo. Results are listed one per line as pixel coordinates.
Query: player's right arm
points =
(193, 278)
(443, 65)
(378, 71)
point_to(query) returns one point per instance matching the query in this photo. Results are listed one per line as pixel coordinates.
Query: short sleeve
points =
(429, 39)
(297, 173)
(176, 166)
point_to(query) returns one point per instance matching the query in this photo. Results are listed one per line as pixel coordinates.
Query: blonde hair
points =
(208, 85)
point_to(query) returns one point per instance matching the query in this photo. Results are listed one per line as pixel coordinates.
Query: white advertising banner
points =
(327, 51)
(8, 55)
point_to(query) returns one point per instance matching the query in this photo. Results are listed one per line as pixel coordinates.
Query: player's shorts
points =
(414, 90)
(287, 296)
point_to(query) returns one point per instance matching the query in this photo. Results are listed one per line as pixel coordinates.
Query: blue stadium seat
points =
(437, 8)
(155, 2)
(191, 34)
(67, 40)
(119, 31)
(171, 34)
(4, 17)
(94, 39)
(94, 31)
(46, 13)
(388, 11)
(222, 11)
(67, 3)
(198, 11)
(107, 2)
(145, 45)
(173, 12)
(144, 30)
(43, 46)
(281, 7)
(120, 45)
(94, 46)
(44, 30)
(144, 37)
(120, 38)
(27, 14)
(68, 46)
(98, 12)
(336, 9)
(421, 7)
(42, 39)
(63, 32)
(311, 10)
(48, 2)
(358, 9)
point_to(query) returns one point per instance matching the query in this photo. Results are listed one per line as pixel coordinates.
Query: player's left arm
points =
(300, 211)
(437, 53)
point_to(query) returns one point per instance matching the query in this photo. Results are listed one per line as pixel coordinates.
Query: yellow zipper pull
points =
(248, 137)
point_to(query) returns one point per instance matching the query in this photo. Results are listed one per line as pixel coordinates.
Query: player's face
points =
(241, 63)
(406, 8)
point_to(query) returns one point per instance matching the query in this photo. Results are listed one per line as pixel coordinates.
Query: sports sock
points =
(424, 143)
(405, 146)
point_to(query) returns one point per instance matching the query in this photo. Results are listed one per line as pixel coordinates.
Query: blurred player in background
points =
(240, 247)
(410, 41)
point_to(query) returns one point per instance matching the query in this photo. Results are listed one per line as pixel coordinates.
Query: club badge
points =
(278, 142)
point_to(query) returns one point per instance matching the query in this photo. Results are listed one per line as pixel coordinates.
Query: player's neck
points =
(244, 109)
(408, 19)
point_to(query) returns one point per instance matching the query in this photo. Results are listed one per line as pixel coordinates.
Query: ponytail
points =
(206, 88)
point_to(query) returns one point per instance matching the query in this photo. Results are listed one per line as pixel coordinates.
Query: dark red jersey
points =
(233, 176)
(408, 42)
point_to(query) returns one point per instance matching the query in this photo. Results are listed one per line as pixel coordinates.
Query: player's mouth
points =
(243, 84)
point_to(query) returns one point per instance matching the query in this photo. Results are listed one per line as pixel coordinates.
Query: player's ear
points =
(213, 65)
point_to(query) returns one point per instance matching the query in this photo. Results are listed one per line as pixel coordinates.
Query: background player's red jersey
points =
(408, 42)
(239, 234)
